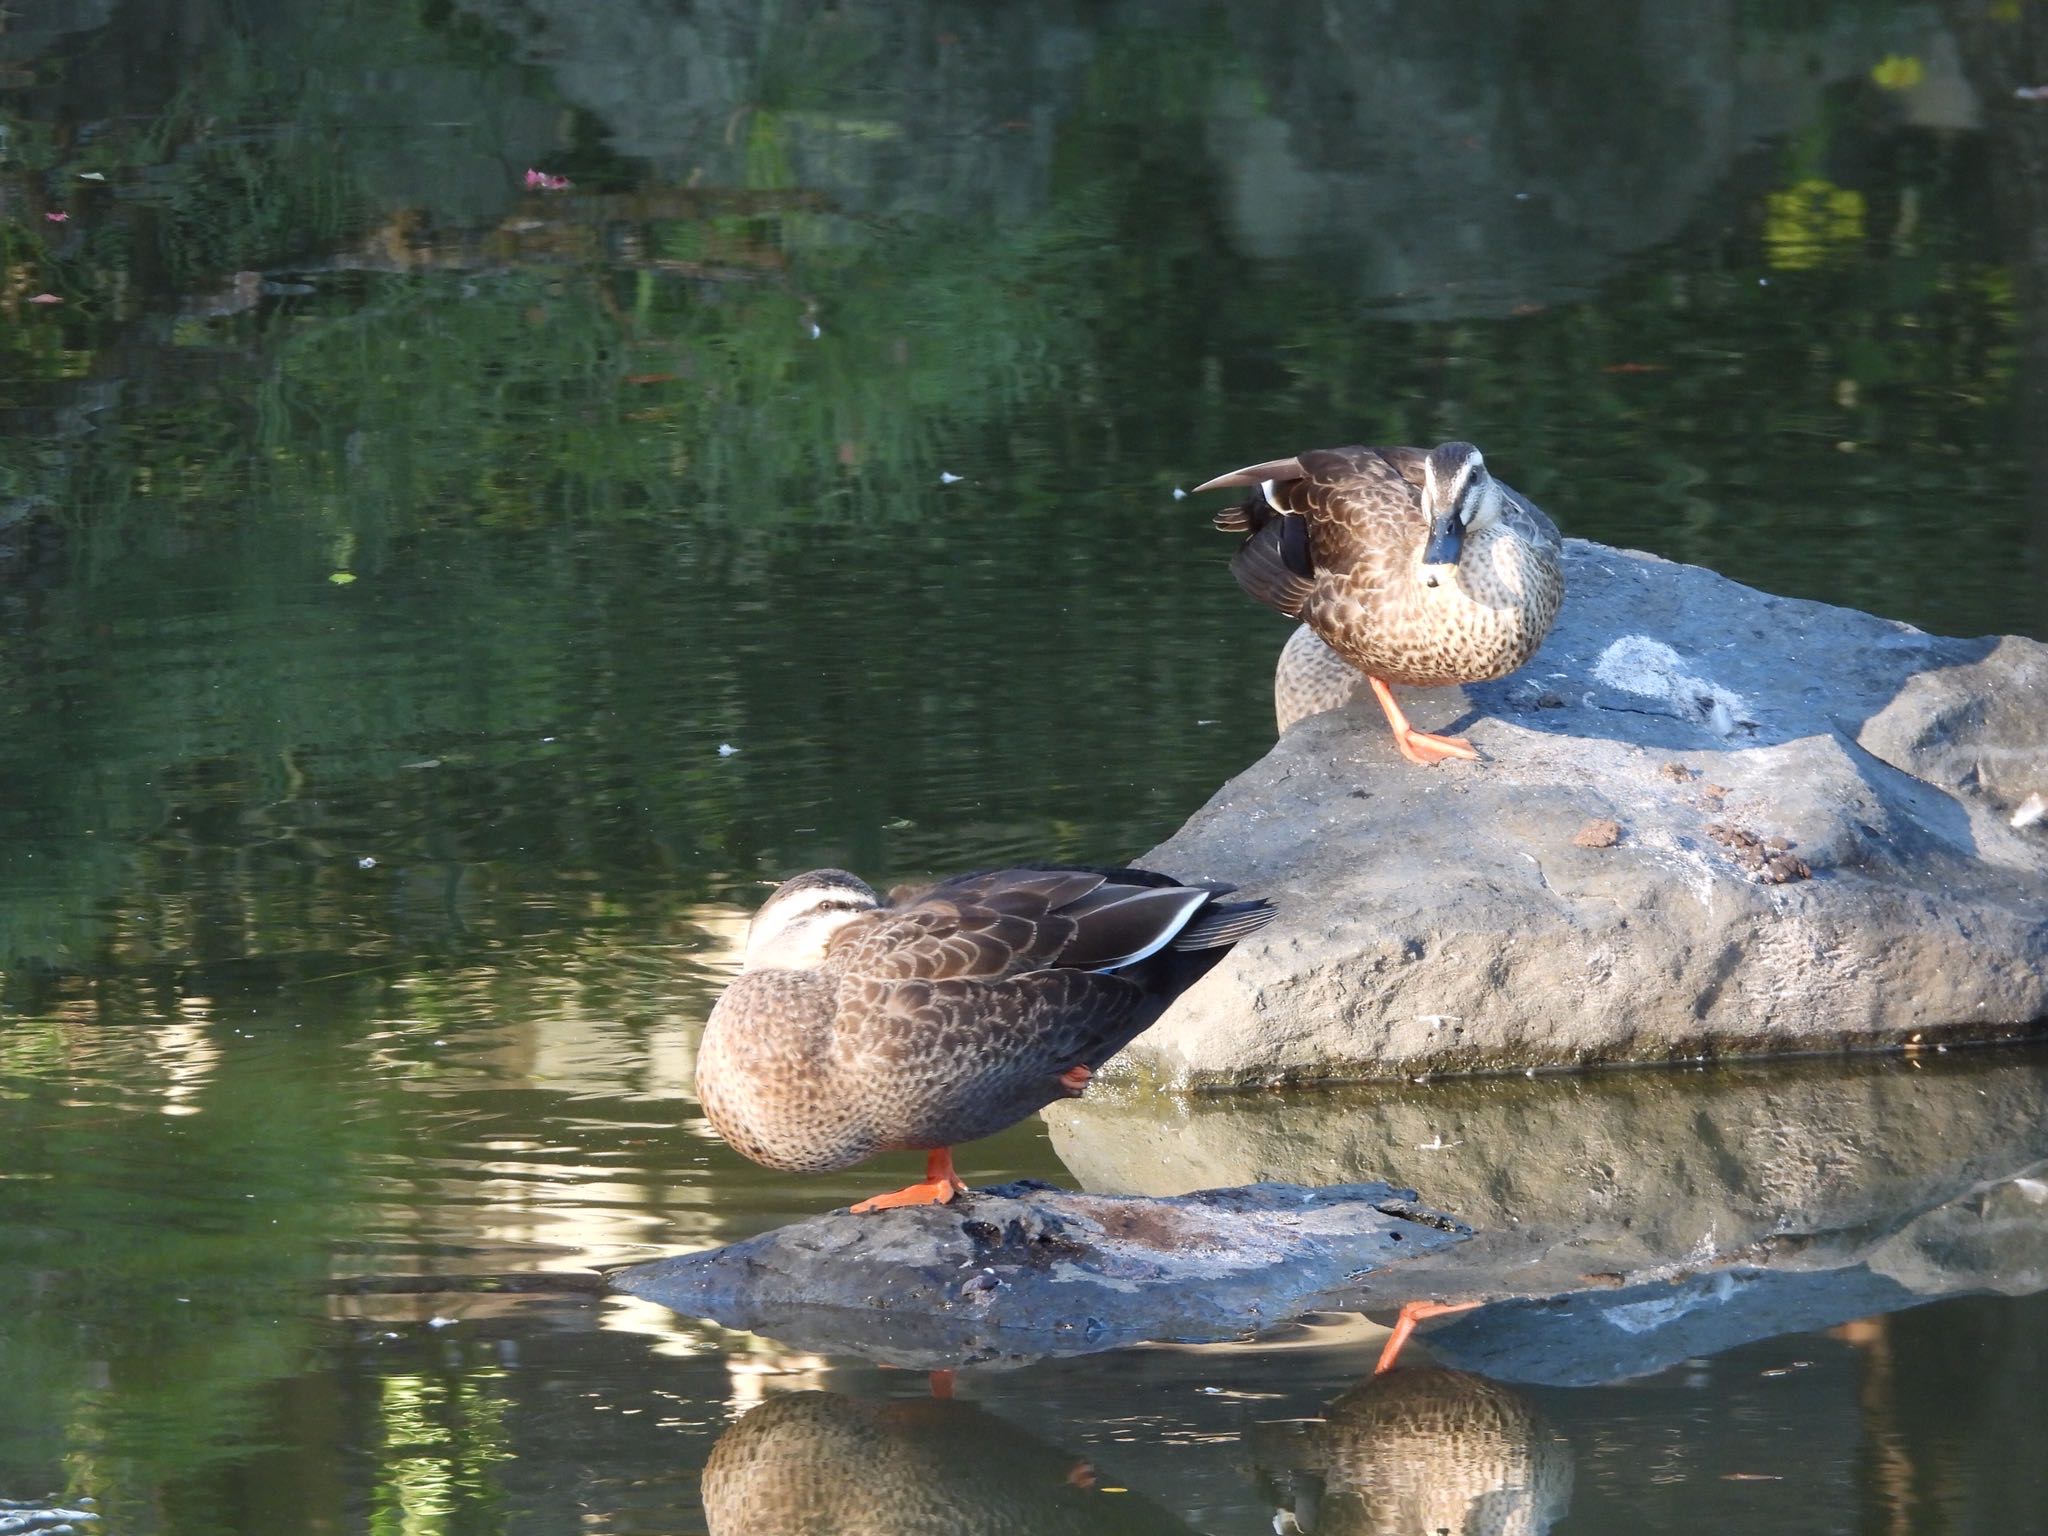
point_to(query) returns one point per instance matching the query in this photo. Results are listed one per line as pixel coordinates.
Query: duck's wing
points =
(1003, 922)
(1273, 565)
(1358, 501)
(1320, 510)
(1530, 520)
(1006, 1036)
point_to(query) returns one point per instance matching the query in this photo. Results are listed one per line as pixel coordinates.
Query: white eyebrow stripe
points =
(803, 903)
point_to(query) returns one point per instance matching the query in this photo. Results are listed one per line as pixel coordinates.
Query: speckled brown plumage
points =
(1310, 678)
(945, 1014)
(822, 1464)
(1427, 1451)
(1336, 537)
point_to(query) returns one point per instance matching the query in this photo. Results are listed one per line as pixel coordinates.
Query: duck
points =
(1413, 566)
(825, 1462)
(861, 1024)
(1420, 1449)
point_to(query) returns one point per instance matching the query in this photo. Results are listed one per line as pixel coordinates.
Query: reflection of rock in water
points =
(819, 1464)
(1626, 1176)
(1423, 1453)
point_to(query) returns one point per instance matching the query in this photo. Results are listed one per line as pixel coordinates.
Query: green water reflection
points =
(429, 604)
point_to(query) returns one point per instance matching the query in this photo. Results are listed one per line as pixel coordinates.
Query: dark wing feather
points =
(1222, 923)
(999, 922)
(1121, 924)
(1033, 891)
(1273, 566)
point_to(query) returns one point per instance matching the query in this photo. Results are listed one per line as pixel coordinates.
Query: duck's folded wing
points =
(1019, 1028)
(1530, 520)
(937, 939)
(1117, 925)
(1001, 922)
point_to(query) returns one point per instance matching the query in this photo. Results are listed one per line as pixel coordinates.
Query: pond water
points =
(433, 604)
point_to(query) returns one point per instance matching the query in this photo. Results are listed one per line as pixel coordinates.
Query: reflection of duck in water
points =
(860, 1024)
(819, 1464)
(1421, 1452)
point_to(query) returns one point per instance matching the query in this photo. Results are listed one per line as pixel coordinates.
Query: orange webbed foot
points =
(1075, 1081)
(1421, 747)
(933, 1192)
(939, 1185)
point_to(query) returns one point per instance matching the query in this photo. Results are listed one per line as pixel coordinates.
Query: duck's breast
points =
(766, 1077)
(1481, 623)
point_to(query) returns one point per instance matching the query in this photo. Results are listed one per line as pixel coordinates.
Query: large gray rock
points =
(1025, 1270)
(1455, 918)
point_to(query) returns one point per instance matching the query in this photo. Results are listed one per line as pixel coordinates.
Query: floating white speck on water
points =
(366, 862)
(947, 477)
(1650, 669)
(726, 749)
(1179, 494)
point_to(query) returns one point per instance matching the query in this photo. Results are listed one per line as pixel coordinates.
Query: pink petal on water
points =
(44, 298)
(546, 182)
(57, 216)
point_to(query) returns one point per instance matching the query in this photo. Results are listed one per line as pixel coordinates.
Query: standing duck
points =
(859, 1025)
(1414, 566)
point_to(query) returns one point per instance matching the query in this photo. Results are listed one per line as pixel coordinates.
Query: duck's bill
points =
(1446, 539)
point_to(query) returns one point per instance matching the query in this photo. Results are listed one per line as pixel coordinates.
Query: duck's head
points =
(795, 924)
(1460, 498)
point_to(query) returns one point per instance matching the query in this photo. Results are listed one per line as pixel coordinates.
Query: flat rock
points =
(1810, 847)
(1025, 1270)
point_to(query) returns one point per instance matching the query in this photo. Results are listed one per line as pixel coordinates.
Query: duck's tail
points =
(1222, 923)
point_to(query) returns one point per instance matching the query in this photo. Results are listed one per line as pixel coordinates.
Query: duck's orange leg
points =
(940, 1184)
(1419, 746)
(1074, 1081)
(1411, 1314)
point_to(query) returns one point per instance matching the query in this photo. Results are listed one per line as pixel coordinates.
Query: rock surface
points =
(1813, 849)
(1027, 1270)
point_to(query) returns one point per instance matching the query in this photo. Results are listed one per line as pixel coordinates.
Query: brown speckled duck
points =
(942, 1015)
(1413, 566)
(820, 1462)
(1421, 1451)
